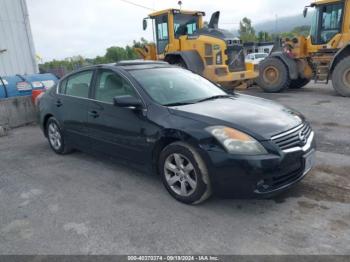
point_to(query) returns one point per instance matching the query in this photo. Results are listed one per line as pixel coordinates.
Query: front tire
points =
(55, 137)
(184, 174)
(273, 75)
(341, 77)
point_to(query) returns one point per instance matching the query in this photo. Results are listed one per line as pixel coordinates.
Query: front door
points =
(162, 33)
(114, 130)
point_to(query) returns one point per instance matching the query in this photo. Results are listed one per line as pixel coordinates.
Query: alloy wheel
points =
(180, 175)
(54, 136)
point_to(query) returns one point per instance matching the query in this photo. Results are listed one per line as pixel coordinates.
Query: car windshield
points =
(175, 86)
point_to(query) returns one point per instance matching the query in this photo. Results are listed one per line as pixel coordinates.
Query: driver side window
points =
(110, 84)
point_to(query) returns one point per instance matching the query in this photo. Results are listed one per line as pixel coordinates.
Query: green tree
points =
(302, 30)
(246, 30)
(130, 53)
(113, 54)
(264, 37)
(140, 44)
(297, 31)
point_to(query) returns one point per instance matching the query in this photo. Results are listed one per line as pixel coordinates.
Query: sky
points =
(65, 28)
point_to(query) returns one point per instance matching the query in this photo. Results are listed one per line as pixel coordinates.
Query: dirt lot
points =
(81, 204)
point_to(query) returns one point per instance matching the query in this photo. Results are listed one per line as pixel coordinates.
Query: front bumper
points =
(251, 176)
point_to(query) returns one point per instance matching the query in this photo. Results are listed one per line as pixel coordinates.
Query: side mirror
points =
(144, 24)
(305, 12)
(127, 102)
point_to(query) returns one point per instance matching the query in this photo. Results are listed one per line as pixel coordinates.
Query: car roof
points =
(141, 64)
(138, 64)
(126, 65)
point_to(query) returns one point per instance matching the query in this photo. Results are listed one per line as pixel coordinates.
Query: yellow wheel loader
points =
(323, 55)
(183, 40)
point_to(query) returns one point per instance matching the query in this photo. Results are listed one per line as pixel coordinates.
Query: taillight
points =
(37, 84)
(23, 86)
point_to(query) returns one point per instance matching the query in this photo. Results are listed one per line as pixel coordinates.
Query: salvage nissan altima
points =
(200, 139)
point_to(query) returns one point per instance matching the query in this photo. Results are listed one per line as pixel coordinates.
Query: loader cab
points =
(327, 22)
(169, 25)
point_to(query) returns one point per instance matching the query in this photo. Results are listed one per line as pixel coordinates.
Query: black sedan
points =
(196, 136)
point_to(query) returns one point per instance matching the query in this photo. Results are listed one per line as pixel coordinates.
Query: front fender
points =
(291, 64)
(343, 52)
(192, 60)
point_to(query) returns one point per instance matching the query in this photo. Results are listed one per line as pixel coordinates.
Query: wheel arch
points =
(45, 119)
(192, 60)
(342, 53)
(290, 63)
(168, 137)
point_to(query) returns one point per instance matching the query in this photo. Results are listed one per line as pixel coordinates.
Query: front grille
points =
(296, 137)
(277, 182)
(236, 59)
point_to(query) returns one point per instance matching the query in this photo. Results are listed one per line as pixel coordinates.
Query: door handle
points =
(94, 114)
(59, 103)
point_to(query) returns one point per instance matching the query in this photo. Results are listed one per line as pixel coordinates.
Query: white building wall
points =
(16, 38)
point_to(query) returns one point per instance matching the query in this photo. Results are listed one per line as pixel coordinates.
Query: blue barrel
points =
(22, 85)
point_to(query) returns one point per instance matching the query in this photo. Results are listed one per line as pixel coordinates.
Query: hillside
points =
(285, 24)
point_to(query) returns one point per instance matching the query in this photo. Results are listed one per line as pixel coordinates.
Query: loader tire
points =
(341, 77)
(299, 83)
(273, 75)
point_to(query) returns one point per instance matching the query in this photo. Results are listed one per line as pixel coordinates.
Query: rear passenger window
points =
(78, 85)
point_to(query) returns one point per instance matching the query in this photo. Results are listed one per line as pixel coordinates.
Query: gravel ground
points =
(82, 204)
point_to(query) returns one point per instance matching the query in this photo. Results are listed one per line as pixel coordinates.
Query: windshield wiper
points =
(199, 101)
(179, 104)
(214, 98)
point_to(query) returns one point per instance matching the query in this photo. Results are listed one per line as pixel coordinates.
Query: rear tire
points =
(299, 83)
(55, 137)
(184, 173)
(273, 75)
(341, 77)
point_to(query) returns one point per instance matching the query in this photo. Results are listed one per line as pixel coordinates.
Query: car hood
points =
(258, 117)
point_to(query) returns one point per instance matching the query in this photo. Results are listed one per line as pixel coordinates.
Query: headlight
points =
(236, 142)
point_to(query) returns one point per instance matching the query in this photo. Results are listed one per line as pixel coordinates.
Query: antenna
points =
(180, 4)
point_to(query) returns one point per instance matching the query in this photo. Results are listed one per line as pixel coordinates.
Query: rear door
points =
(72, 105)
(116, 131)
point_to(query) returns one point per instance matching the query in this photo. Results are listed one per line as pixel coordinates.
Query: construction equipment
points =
(323, 55)
(183, 40)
